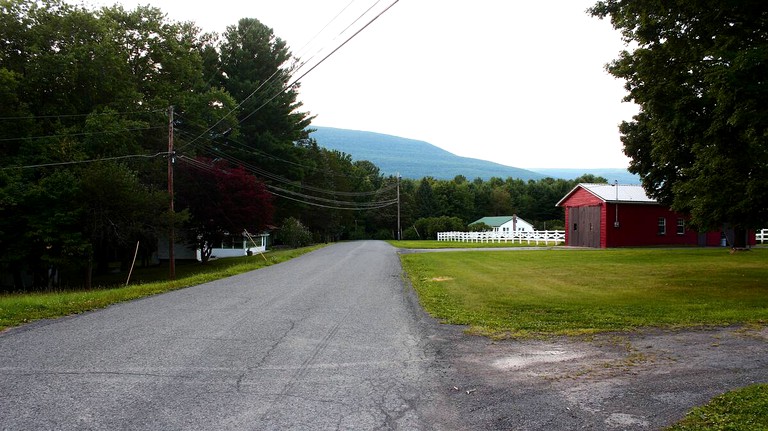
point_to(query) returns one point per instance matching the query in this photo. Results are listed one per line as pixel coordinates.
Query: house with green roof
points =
(506, 225)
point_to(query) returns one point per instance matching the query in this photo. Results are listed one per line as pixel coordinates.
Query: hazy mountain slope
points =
(412, 158)
(611, 174)
(417, 159)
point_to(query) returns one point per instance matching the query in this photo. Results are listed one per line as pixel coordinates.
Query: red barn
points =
(614, 215)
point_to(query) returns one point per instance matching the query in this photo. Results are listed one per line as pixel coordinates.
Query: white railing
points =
(761, 236)
(535, 237)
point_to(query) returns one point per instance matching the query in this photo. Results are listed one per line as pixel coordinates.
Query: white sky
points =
(520, 83)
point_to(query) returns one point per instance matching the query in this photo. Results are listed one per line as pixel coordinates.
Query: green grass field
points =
(745, 409)
(570, 292)
(434, 244)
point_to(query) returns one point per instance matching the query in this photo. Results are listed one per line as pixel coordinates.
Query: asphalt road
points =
(335, 340)
(330, 340)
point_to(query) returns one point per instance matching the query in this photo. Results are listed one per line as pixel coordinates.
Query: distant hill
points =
(418, 159)
(411, 158)
(611, 174)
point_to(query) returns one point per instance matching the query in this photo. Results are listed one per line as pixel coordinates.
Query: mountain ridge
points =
(415, 159)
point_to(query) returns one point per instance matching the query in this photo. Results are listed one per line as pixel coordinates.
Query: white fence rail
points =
(535, 237)
(761, 236)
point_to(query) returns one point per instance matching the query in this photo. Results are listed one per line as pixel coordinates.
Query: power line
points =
(334, 201)
(77, 162)
(241, 146)
(302, 197)
(38, 117)
(295, 81)
(66, 135)
(329, 206)
(280, 179)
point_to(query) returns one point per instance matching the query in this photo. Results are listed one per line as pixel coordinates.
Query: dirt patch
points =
(441, 279)
(642, 381)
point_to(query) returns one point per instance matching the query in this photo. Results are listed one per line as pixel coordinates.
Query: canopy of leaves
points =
(697, 69)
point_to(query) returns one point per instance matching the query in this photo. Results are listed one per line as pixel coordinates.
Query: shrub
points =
(429, 227)
(479, 227)
(294, 234)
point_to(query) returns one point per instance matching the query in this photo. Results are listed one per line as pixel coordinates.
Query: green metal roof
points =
(493, 221)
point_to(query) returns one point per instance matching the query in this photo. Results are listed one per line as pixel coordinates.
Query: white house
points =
(506, 225)
(232, 246)
(239, 245)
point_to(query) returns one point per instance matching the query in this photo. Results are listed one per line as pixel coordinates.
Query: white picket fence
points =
(761, 236)
(535, 237)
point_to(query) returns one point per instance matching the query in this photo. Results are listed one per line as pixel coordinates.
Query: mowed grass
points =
(17, 309)
(572, 292)
(434, 244)
(744, 409)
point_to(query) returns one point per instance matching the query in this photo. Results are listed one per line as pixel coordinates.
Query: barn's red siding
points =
(638, 224)
(579, 198)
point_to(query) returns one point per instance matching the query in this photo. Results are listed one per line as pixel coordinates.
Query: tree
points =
(697, 72)
(222, 201)
(255, 68)
(425, 199)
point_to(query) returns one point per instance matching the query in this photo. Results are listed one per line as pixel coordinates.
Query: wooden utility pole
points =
(399, 231)
(171, 211)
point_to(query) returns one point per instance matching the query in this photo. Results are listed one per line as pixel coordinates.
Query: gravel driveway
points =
(642, 381)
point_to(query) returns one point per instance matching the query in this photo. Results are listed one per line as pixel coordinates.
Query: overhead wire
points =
(265, 82)
(65, 135)
(37, 117)
(295, 81)
(199, 165)
(77, 162)
(254, 169)
(242, 147)
(301, 197)
(219, 153)
(292, 73)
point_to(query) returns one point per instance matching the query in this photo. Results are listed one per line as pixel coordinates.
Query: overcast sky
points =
(521, 83)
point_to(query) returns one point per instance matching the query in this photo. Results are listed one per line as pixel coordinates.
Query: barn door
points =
(584, 228)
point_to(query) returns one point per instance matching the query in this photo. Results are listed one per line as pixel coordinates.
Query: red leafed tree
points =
(222, 201)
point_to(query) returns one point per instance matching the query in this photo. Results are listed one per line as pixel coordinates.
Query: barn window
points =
(680, 226)
(662, 226)
(575, 226)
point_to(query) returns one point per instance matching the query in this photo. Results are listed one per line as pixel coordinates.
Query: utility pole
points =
(399, 232)
(171, 212)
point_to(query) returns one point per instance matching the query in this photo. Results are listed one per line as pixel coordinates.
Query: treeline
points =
(91, 102)
(428, 205)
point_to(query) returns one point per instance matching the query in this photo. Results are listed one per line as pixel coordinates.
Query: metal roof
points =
(615, 193)
(497, 221)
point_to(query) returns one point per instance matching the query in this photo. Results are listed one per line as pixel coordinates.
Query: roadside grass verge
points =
(434, 244)
(541, 293)
(17, 309)
(745, 409)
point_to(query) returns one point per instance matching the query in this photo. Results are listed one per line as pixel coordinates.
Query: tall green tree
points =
(697, 70)
(255, 68)
(78, 85)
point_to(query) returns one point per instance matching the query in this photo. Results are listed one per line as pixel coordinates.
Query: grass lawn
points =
(572, 292)
(745, 409)
(16, 309)
(433, 244)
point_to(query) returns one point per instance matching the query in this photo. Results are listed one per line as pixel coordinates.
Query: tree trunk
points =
(89, 273)
(739, 238)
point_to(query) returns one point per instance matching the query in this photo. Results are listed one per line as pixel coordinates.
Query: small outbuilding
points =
(615, 215)
(505, 225)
